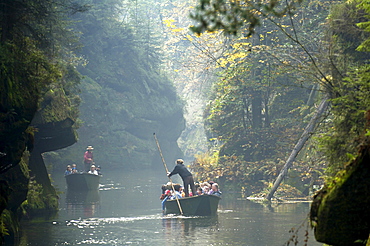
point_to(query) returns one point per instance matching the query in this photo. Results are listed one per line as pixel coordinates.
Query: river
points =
(127, 211)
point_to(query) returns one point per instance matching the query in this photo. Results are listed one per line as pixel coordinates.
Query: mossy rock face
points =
(54, 107)
(16, 180)
(120, 125)
(14, 188)
(340, 213)
(39, 200)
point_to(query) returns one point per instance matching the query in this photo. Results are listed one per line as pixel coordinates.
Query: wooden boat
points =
(82, 181)
(203, 205)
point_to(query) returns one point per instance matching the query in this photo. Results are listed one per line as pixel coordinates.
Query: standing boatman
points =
(88, 158)
(185, 175)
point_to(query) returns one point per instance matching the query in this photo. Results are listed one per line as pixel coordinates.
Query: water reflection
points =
(127, 211)
(87, 202)
(185, 226)
(180, 230)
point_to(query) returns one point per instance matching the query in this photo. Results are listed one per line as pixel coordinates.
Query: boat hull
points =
(82, 181)
(204, 205)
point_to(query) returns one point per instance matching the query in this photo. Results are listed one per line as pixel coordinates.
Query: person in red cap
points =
(171, 195)
(88, 158)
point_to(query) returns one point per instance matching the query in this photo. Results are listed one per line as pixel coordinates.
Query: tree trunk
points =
(267, 115)
(297, 148)
(256, 110)
(245, 113)
(310, 100)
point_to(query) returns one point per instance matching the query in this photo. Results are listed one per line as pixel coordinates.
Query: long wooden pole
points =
(166, 169)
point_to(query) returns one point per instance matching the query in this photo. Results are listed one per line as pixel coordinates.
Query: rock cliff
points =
(340, 212)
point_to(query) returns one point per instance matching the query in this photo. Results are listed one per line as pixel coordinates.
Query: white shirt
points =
(93, 172)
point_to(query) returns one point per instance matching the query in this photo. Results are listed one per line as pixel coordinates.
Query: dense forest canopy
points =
(280, 61)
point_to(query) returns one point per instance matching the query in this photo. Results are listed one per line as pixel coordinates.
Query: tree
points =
(231, 16)
(293, 48)
(298, 147)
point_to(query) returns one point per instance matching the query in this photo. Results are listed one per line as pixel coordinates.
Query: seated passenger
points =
(163, 194)
(93, 170)
(205, 186)
(215, 191)
(181, 191)
(98, 170)
(165, 197)
(68, 170)
(169, 195)
(178, 192)
(206, 190)
(168, 186)
(199, 191)
(74, 168)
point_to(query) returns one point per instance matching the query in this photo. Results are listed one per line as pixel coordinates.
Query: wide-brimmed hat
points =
(89, 148)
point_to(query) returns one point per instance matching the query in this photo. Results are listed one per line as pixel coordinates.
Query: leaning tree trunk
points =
(297, 148)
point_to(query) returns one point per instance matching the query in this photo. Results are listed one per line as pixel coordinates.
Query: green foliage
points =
(61, 99)
(34, 44)
(22, 80)
(34, 196)
(252, 178)
(349, 41)
(29, 50)
(259, 105)
(231, 16)
(348, 85)
(37, 201)
(364, 25)
(348, 124)
(343, 131)
(251, 108)
(258, 108)
(5, 218)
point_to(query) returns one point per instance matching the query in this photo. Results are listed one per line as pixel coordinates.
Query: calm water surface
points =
(127, 211)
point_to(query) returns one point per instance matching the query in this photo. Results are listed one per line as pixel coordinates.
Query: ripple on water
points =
(92, 222)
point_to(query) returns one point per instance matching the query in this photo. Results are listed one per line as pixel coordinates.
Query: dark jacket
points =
(181, 170)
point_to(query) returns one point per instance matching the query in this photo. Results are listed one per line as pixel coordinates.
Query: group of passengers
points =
(205, 188)
(89, 164)
(210, 188)
(73, 169)
(175, 191)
